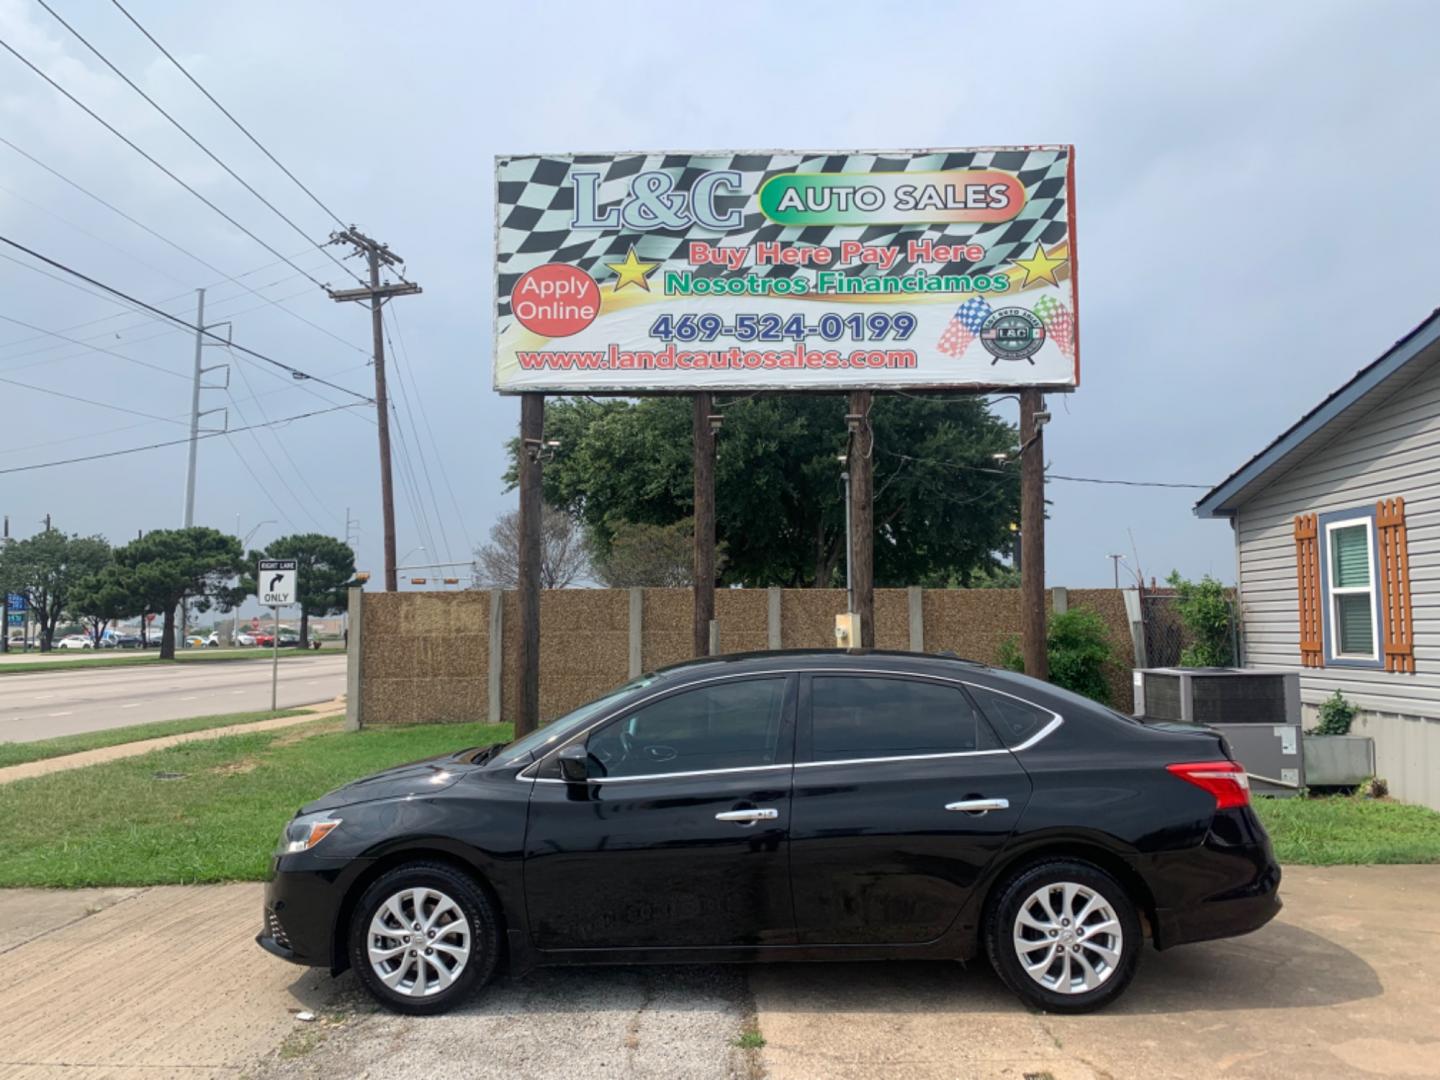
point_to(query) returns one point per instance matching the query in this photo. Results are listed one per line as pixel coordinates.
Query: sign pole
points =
(1032, 531)
(862, 513)
(275, 663)
(532, 435)
(704, 556)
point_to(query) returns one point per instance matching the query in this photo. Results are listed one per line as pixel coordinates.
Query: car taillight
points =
(1226, 780)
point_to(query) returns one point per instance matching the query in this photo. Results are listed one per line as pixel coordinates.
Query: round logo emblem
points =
(1012, 333)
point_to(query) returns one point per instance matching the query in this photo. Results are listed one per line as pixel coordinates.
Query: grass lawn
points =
(1338, 830)
(123, 824)
(128, 658)
(16, 753)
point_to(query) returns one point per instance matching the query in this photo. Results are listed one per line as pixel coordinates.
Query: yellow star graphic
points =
(632, 271)
(1039, 266)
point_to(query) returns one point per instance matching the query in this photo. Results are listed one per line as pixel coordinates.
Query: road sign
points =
(17, 618)
(15, 602)
(276, 584)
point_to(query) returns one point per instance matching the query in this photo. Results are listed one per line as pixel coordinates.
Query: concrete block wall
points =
(428, 657)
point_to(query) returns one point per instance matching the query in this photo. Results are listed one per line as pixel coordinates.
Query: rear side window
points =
(1014, 720)
(876, 717)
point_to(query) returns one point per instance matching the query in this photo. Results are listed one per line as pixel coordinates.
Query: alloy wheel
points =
(1068, 938)
(418, 942)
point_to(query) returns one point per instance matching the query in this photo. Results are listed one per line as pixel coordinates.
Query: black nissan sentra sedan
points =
(786, 806)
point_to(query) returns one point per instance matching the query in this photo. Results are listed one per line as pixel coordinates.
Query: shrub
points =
(1206, 614)
(1077, 643)
(1336, 716)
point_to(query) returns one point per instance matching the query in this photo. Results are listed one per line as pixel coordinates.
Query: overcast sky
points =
(1256, 214)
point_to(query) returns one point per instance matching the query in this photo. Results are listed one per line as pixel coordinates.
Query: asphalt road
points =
(46, 704)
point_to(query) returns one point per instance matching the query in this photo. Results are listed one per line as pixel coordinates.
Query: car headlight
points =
(304, 833)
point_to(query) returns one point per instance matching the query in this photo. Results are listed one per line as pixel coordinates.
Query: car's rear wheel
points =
(1064, 935)
(422, 937)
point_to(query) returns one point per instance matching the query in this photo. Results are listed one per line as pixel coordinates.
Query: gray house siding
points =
(1393, 449)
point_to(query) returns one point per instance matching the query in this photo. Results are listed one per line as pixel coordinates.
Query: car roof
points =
(806, 659)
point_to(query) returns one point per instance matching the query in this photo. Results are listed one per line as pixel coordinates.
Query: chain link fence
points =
(1165, 635)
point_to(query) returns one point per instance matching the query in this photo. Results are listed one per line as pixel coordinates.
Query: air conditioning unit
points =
(1258, 712)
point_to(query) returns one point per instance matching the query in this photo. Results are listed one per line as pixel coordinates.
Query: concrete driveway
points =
(121, 983)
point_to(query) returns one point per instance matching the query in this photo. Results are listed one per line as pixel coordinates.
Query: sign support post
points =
(275, 663)
(532, 445)
(862, 512)
(275, 587)
(1032, 533)
(704, 557)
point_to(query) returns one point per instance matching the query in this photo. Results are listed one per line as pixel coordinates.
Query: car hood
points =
(417, 778)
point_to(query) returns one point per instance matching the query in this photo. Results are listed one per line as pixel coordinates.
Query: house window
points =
(1352, 614)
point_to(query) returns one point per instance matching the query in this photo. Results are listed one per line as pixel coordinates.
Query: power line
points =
(137, 148)
(86, 401)
(419, 447)
(1048, 475)
(165, 52)
(184, 131)
(264, 490)
(95, 348)
(233, 279)
(434, 445)
(171, 442)
(294, 371)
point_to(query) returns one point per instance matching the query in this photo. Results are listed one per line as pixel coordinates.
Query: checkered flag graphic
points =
(960, 332)
(1058, 323)
(535, 204)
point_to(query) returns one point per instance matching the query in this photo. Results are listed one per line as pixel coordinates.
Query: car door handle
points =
(749, 817)
(979, 806)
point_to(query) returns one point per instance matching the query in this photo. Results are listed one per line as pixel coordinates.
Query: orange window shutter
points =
(1394, 574)
(1307, 570)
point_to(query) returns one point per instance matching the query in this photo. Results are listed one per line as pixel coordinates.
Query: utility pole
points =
(861, 463)
(1032, 528)
(1115, 559)
(375, 254)
(195, 408)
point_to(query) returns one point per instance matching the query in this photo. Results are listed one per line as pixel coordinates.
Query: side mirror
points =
(574, 763)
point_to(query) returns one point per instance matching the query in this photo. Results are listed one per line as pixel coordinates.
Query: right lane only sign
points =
(275, 585)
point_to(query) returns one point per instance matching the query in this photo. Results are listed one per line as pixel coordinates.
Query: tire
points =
(466, 920)
(1033, 919)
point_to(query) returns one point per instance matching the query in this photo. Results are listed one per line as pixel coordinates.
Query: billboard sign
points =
(781, 270)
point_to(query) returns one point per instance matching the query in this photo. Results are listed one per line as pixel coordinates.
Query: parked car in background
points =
(244, 638)
(193, 641)
(786, 806)
(264, 638)
(213, 641)
(289, 638)
(75, 641)
(127, 641)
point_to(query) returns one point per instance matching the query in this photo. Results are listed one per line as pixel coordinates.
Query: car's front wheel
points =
(1064, 935)
(422, 937)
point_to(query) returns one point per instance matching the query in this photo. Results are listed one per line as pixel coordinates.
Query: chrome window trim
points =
(898, 757)
(526, 774)
(666, 776)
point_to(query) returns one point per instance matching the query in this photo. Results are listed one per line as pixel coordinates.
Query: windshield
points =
(540, 740)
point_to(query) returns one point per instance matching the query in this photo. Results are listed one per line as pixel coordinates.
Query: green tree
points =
(167, 567)
(942, 506)
(103, 598)
(654, 556)
(1077, 643)
(1206, 613)
(45, 567)
(323, 568)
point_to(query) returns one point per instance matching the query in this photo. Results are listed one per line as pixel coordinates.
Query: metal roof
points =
(1223, 499)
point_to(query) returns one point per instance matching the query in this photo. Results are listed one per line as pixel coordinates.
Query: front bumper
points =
(304, 903)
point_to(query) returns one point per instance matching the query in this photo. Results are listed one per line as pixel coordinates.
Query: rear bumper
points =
(1228, 887)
